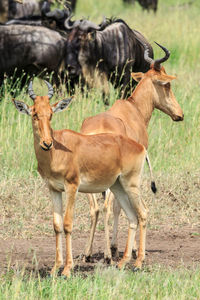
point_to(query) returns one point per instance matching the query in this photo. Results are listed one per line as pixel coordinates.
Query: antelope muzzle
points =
(46, 146)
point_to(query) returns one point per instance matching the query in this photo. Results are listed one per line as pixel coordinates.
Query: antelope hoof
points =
(87, 258)
(55, 270)
(66, 272)
(134, 253)
(114, 251)
(108, 260)
(136, 269)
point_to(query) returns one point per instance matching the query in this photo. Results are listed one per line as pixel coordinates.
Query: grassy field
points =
(173, 149)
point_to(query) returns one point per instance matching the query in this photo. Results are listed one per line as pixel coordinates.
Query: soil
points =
(168, 247)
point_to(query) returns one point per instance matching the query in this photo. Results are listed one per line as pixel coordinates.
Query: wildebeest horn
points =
(146, 55)
(45, 8)
(50, 89)
(86, 25)
(69, 26)
(157, 62)
(103, 23)
(30, 91)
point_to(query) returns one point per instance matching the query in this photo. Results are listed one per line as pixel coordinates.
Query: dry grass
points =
(27, 210)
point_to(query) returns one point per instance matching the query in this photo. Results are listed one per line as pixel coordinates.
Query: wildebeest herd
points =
(38, 41)
(111, 148)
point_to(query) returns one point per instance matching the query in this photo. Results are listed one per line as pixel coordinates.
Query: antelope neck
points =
(143, 100)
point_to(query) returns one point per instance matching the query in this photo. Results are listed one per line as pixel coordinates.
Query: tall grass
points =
(170, 143)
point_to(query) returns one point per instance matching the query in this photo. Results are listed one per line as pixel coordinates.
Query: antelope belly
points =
(87, 186)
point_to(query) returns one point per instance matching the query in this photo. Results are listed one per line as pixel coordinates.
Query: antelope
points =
(130, 118)
(74, 162)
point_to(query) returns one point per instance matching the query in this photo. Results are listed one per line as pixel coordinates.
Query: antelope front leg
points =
(58, 228)
(71, 191)
(94, 213)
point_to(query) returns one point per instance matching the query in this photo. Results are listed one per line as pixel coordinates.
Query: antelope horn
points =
(50, 89)
(157, 62)
(30, 91)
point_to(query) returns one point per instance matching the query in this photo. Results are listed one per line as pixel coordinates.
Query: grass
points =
(174, 152)
(105, 284)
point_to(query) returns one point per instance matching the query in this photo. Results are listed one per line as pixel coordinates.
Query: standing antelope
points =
(73, 162)
(130, 118)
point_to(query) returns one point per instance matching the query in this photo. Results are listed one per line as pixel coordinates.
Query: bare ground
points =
(26, 231)
(166, 247)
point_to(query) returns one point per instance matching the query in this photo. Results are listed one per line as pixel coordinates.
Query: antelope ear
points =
(137, 76)
(61, 105)
(164, 79)
(22, 107)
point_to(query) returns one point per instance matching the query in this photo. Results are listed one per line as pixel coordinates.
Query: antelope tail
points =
(153, 184)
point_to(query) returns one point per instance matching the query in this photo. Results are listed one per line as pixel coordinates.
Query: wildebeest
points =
(146, 4)
(112, 49)
(31, 50)
(73, 4)
(149, 4)
(15, 9)
(52, 19)
(3, 11)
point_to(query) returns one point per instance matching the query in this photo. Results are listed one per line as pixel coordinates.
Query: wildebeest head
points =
(55, 19)
(82, 33)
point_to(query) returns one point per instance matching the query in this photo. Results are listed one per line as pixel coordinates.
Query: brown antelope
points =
(131, 117)
(74, 162)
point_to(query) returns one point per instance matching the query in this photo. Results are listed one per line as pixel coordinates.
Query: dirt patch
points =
(169, 247)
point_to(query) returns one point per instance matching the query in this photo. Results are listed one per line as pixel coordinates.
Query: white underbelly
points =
(95, 186)
(85, 186)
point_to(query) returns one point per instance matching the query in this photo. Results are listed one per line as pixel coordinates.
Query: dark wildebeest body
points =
(52, 19)
(115, 52)
(25, 9)
(34, 50)
(149, 4)
(146, 4)
(3, 11)
(73, 4)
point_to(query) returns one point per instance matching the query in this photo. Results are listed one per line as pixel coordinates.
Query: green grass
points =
(105, 284)
(170, 142)
(173, 149)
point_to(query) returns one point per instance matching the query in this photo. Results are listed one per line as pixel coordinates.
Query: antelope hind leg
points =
(94, 213)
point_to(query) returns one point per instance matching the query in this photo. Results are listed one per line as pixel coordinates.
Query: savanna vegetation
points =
(174, 152)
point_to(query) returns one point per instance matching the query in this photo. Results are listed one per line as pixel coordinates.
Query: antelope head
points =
(41, 113)
(162, 95)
